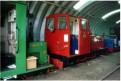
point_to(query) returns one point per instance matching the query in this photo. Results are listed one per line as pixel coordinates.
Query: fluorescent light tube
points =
(80, 3)
(117, 21)
(110, 13)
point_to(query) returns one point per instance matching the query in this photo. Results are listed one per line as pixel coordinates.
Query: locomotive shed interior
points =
(60, 40)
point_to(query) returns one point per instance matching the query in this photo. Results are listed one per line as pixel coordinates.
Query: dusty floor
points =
(95, 69)
(114, 75)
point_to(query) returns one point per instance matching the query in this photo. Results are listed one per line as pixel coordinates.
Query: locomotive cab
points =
(67, 35)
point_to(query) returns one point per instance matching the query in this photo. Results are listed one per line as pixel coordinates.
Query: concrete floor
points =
(95, 69)
(114, 75)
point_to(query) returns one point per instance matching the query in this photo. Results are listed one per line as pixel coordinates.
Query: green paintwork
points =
(39, 50)
(21, 46)
(40, 68)
(21, 42)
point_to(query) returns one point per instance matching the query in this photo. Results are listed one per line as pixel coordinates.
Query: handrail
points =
(17, 44)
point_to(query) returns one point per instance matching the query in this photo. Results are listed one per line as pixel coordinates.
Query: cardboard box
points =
(31, 62)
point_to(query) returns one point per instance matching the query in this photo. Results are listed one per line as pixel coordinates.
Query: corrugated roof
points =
(93, 12)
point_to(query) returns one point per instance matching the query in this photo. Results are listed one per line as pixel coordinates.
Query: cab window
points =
(84, 25)
(62, 23)
(50, 23)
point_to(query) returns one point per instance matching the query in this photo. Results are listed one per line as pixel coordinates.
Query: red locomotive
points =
(68, 39)
(97, 42)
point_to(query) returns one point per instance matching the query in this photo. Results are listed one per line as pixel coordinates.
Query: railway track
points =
(114, 75)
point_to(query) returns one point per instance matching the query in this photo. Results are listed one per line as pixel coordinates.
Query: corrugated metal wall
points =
(93, 12)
